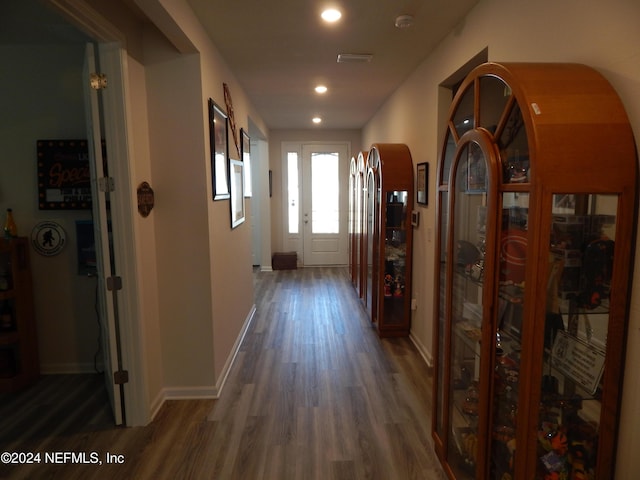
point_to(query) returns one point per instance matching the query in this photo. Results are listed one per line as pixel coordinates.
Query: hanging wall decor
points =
(422, 184)
(146, 199)
(232, 119)
(63, 175)
(237, 193)
(246, 160)
(48, 238)
(219, 151)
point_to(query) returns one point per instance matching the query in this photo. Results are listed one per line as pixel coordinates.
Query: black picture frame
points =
(236, 176)
(422, 183)
(219, 141)
(245, 156)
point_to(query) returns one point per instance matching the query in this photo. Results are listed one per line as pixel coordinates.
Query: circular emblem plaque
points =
(48, 238)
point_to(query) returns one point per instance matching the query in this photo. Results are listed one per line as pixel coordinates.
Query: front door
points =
(325, 204)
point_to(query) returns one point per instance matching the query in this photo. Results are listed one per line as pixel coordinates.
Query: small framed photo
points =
(218, 137)
(415, 218)
(237, 192)
(422, 184)
(245, 154)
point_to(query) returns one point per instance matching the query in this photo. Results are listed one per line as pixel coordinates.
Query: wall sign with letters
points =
(64, 181)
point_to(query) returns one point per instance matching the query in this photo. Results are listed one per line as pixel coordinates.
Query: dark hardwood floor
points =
(313, 394)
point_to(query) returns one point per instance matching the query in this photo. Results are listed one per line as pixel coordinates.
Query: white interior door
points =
(106, 301)
(325, 204)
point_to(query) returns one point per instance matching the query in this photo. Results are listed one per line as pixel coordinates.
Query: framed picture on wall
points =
(237, 192)
(245, 156)
(218, 137)
(422, 184)
(64, 182)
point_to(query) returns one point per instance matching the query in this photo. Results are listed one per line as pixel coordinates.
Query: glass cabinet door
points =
(395, 253)
(468, 233)
(371, 245)
(581, 254)
(512, 260)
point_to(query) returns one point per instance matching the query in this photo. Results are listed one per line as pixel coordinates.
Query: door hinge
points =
(121, 377)
(114, 283)
(98, 81)
(106, 184)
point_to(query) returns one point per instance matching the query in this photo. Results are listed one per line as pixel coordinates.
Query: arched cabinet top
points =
(393, 163)
(551, 122)
(362, 162)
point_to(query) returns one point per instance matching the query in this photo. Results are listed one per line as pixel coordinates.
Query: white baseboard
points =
(68, 368)
(424, 351)
(206, 392)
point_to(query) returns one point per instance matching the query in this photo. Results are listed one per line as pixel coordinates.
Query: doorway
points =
(317, 202)
(67, 329)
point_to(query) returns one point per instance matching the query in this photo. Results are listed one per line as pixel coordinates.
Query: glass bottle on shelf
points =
(10, 228)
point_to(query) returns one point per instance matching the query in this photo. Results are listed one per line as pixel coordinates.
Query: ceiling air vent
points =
(354, 57)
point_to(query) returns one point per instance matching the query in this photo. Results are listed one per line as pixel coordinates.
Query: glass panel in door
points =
(508, 334)
(371, 245)
(581, 254)
(395, 252)
(469, 230)
(443, 221)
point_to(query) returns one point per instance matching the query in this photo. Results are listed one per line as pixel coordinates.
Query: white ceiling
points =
(279, 50)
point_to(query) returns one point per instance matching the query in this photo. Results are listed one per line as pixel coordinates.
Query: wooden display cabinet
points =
(356, 214)
(19, 365)
(536, 214)
(388, 205)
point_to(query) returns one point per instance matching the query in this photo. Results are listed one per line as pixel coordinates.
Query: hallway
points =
(313, 394)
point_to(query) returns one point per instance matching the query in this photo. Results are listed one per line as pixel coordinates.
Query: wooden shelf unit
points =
(19, 364)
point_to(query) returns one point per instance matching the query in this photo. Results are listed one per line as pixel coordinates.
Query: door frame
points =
(309, 238)
(295, 242)
(117, 124)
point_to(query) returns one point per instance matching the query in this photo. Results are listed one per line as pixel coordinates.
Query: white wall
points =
(205, 281)
(602, 35)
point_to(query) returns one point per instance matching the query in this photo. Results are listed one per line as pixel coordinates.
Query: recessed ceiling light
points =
(404, 21)
(321, 89)
(331, 15)
(316, 120)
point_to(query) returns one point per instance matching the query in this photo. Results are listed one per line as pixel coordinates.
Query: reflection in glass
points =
(395, 251)
(514, 148)
(581, 252)
(469, 231)
(508, 334)
(494, 95)
(463, 119)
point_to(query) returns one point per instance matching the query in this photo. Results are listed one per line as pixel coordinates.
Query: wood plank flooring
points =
(313, 394)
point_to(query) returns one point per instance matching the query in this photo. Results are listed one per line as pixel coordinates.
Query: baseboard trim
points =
(68, 368)
(206, 392)
(234, 351)
(424, 351)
